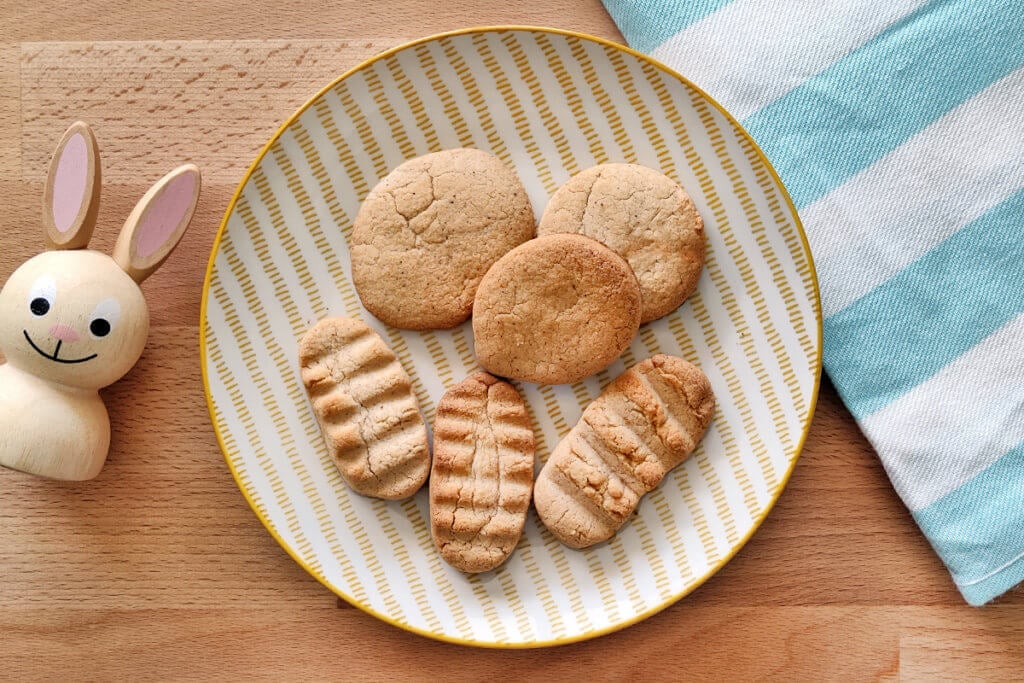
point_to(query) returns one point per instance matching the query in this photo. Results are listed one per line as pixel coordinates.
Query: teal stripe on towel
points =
(912, 325)
(646, 24)
(979, 528)
(868, 103)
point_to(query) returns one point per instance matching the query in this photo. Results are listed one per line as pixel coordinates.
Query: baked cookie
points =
(428, 232)
(642, 215)
(367, 412)
(644, 423)
(555, 310)
(482, 476)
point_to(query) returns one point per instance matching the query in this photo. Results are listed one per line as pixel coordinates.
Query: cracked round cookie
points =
(427, 233)
(555, 310)
(642, 215)
(482, 477)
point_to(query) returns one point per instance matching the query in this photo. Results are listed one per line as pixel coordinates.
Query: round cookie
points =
(642, 215)
(427, 233)
(555, 310)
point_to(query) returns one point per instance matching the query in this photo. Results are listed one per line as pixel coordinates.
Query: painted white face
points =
(73, 317)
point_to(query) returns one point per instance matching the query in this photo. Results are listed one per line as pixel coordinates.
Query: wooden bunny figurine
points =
(73, 320)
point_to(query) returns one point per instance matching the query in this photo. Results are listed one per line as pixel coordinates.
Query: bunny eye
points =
(39, 306)
(104, 317)
(41, 296)
(99, 327)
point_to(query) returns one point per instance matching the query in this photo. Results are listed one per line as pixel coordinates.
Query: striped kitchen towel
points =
(898, 128)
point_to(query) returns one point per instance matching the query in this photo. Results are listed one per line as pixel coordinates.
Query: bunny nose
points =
(64, 333)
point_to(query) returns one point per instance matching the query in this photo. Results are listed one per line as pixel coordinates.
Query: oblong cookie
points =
(641, 426)
(428, 232)
(482, 476)
(555, 310)
(642, 215)
(363, 400)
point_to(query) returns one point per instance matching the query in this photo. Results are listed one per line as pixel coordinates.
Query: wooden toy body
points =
(51, 430)
(52, 420)
(73, 320)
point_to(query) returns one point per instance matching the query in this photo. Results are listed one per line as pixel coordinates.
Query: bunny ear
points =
(157, 222)
(72, 195)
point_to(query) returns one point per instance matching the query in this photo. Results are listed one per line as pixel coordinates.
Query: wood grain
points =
(159, 570)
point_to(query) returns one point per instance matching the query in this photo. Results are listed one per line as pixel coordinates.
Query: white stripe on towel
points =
(947, 429)
(751, 52)
(944, 177)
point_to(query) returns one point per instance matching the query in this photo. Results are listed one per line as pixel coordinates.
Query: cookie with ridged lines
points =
(364, 403)
(429, 230)
(482, 476)
(642, 215)
(555, 310)
(645, 423)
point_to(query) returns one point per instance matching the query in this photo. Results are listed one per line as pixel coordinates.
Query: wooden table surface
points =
(158, 569)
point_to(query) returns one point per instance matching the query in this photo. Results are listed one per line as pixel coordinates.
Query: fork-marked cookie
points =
(363, 400)
(645, 423)
(482, 476)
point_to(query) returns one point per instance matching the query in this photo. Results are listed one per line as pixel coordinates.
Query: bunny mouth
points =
(56, 351)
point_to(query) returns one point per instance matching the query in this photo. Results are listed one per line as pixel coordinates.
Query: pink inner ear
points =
(165, 214)
(69, 182)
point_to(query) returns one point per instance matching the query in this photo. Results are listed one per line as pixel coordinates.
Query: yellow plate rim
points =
(586, 635)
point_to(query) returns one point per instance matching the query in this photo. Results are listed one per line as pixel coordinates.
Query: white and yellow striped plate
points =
(549, 103)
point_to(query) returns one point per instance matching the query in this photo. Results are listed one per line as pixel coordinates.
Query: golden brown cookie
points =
(555, 310)
(482, 476)
(642, 215)
(367, 412)
(644, 423)
(429, 231)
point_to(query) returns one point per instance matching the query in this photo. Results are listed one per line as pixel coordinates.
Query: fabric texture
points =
(898, 128)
